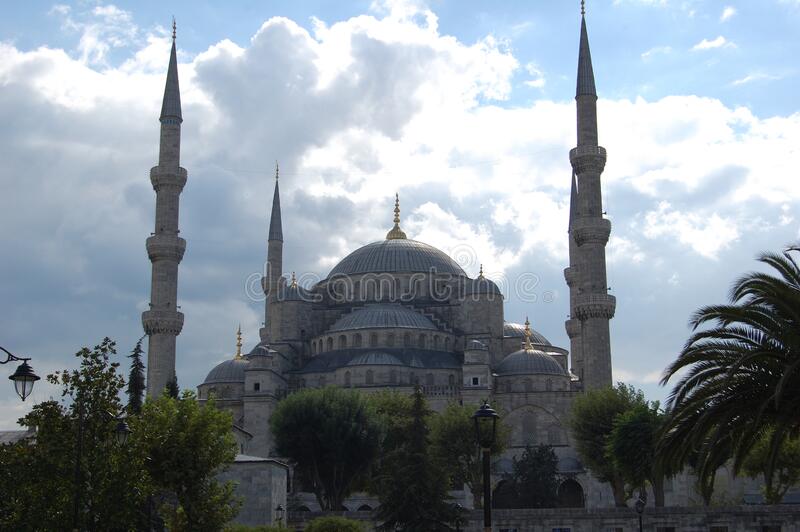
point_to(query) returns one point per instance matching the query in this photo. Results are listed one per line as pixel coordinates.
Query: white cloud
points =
(756, 76)
(707, 235)
(538, 80)
(719, 42)
(657, 50)
(728, 13)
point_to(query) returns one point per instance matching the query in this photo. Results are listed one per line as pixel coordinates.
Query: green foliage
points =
(265, 528)
(187, 445)
(39, 481)
(592, 422)
(332, 435)
(786, 468)
(136, 384)
(454, 445)
(738, 374)
(172, 389)
(412, 487)
(334, 524)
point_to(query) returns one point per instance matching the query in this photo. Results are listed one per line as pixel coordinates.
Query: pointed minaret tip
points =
(585, 72)
(275, 224)
(396, 233)
(171, 105)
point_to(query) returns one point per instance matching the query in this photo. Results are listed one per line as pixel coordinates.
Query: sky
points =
(464, 108)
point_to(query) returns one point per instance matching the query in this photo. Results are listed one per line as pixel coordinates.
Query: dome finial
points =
(396, 233)
(527, 346)
(480, 273)
(238, 343)
(294, 281)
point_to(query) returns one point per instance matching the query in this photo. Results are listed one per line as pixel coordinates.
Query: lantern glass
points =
(24, 379)
(485, 419)
(122, 432)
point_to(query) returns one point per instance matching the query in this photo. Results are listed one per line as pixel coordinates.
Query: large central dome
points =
(395, 256)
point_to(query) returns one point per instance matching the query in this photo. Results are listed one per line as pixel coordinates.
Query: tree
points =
(533, 482)
(41, 485)
(786, 469)
(332, 435)
(334, 524)
(187, 445)
(413, 487)
(592, 422)
(631, 447)
(172, 389)
(454, 446)
(739, 373)
(136, 384)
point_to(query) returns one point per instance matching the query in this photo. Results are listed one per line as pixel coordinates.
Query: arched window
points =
(407, 340)
(570, 494)
(451, 380)
(549, 385)
(313, 348)
(347, 378)
(390, 339)
(447, 344)
(357, 340)
(330, 344)
(429, 379)
(373, 340)
(397, 289)
(342, 341)
(421, 342)
(357, 291)
(436, 342)
(369, 377)
(365, 508)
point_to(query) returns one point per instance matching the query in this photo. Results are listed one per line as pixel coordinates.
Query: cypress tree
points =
(135, 389)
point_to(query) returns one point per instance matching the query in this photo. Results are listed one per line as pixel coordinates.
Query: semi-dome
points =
(408, 357)
(481, 285)
(396, 255)
(517, 330)
(375, 358)
(382, 316)
(529, 362)
(228, 371)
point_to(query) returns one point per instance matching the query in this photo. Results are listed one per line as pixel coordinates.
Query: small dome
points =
(475, 345)
(517, 330)
(382, 316)
(481, 285)
(228, 371)
(294, 292)
(262, 349)
(531, 362)
(373, 358)
(394, 256)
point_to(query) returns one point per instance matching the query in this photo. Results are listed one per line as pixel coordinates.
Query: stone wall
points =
(261, 484)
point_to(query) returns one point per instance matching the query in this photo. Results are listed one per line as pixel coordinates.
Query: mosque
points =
(398, 313)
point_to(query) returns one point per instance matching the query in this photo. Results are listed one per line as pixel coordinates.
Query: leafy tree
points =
(592, 423)
(332, 435)
(413, 486)
(454, 446)
(739, 373)
(631, 447)
(786, 468)
(172, 389)
(334, 524)
(187, 445)
(533, 482)
(39, 480)
(135, 389)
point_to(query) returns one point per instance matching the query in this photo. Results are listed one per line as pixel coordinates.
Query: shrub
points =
(334, 524)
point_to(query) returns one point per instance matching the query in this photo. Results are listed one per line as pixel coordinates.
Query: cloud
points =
(719, 42)
(706, 234)
(727, 13)
(101, 28)
(658, 50)
(538, 80)
(756, 76)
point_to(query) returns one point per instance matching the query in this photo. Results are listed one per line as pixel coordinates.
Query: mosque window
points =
(313, 348)
(397, 289)
(357, 290)
(447, 344)
(436, 342)
(390, 340)
(369, 377)
(357, 340)
(256, 386)
(451, 380)
(342, 341)
(330, 344)
(476, 381)
(373, 340)
(347, 378)
(421, 341)
(429, 379)
(407, 340)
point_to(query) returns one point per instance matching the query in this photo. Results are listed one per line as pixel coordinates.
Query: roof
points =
(14, 436)
(394, 256)
(262, 349)
(531, 362)
(517, 330)
(171, 105)
(408, 357)
(294, 292)
(227, 371)
(481, 285)
(382, 316)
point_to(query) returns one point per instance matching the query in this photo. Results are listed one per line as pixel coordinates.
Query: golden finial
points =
(527, 345)
(480, 273)
(396, 233)
(583, 7)
(174, 29)
(277, 170)
(238, 342)
(294, 281)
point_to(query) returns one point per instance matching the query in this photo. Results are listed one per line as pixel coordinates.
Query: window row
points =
(343, 341)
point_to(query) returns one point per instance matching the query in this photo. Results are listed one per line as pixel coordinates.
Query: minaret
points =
(163, 323)
(591, 307)
(270, 281)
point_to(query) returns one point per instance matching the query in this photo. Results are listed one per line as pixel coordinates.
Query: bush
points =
(245, 528)
(334, 524)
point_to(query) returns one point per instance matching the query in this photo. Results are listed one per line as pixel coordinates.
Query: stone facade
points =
(261, 485)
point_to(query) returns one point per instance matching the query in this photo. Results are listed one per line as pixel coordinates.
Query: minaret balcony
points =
(571, 275)
(594, 306)
(573, 328)
(165, 246)
(591, 230)
(162, 176)
(588, 159)
(162, 321)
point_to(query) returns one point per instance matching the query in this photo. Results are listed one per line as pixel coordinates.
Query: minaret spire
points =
(274, 268)
(275, 224)
(163, 322)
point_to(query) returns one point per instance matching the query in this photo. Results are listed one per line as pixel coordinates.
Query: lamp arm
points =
(10, 357)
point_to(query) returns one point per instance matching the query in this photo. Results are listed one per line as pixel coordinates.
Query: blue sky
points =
(464, 108)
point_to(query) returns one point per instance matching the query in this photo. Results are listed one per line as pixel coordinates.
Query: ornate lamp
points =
(24, 378)
(485, 419)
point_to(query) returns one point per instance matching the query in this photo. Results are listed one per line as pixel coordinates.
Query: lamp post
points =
(24, 377)
(279, 514)
(459, 520)
(485, 419)
(639, 505)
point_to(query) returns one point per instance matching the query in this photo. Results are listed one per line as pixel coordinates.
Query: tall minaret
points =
(591, 307)
(274, 258)
(163, 323)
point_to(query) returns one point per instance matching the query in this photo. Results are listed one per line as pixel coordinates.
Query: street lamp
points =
(459, 520)
(24, 377)
(485, 431)
(279, 514)
(639, 505)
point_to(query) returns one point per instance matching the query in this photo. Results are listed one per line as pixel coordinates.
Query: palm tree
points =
(739, 373)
